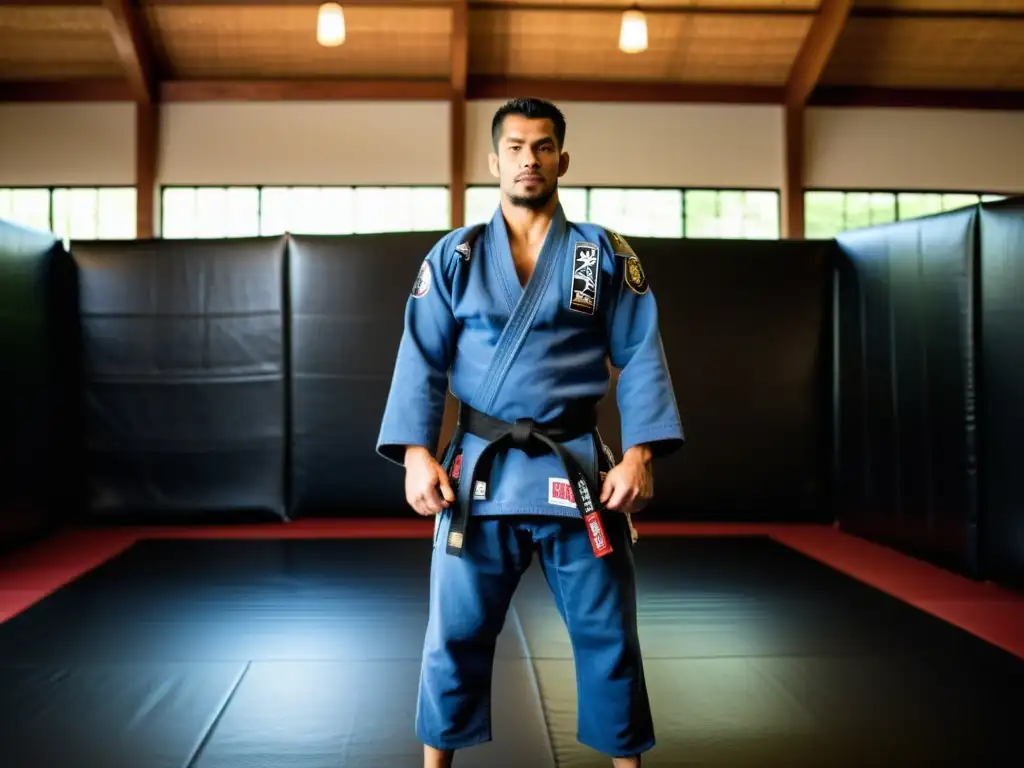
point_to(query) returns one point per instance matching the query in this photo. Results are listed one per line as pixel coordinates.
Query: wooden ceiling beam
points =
(478, 87)
(915, 98)
(131, 40)
(803, 78)
(29, 91)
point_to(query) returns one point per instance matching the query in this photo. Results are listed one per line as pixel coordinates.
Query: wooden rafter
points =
(128, 31)
(803, 77)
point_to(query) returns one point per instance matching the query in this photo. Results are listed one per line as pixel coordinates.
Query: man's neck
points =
(526, 225)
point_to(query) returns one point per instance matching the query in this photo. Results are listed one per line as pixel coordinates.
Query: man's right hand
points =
(427, 488)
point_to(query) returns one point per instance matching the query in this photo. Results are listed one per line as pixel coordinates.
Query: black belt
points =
(524, 434)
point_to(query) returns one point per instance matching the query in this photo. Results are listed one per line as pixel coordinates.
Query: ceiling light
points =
(330, 25)
(633, 32)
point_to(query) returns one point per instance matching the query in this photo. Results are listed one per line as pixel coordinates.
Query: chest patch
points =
(585, 275)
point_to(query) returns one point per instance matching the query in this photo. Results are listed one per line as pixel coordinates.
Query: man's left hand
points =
(629, 486)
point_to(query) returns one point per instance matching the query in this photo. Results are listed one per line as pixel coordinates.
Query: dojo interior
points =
(210, 222)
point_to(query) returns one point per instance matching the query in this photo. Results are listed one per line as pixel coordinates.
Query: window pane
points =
(178, 212)
(913, 205)
(76, 213)
(824, 215)
(431, 207)
(574, 202)
(401, 209)
(732, 214)
(761, 212)
(882, 206)
(117, 214)
(26, 207)
(639, 212)
(308, 210)
(379, 209)
(481, 203)
(243, 206)
(953, 201)
(211, 212)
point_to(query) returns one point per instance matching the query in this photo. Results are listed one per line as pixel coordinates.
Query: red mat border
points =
(986, 610)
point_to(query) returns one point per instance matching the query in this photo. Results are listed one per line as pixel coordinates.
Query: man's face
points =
(528, 161)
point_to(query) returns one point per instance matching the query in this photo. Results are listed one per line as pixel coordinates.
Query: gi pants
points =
(469, 599)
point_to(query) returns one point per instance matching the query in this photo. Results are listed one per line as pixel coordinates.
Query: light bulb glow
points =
(633, 32)
(330, 25)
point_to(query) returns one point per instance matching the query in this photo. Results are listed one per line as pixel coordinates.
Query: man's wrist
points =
(640, 453)
(415, 452)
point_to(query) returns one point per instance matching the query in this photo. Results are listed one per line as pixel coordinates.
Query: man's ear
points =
(492, 163)
(563, 164)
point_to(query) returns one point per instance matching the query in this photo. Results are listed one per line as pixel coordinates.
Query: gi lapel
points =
(524, 301)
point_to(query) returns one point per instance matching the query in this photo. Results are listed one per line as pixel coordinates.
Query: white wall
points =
(939, 150)
(610, 144)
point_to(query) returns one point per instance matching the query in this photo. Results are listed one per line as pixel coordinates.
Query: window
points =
(734, 214)
(73, 213)
(210, 212)
(639, 212)
(717, 213)
(828, 213)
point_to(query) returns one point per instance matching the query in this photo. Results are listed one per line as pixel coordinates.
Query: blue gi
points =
(537, 355)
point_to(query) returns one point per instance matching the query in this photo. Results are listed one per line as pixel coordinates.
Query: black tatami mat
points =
(305, 654)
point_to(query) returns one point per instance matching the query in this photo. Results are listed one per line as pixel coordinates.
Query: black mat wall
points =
(184, 373)
(1001, 388)
(32, 436)
(347, 308)
(906, 403)
(745, 326)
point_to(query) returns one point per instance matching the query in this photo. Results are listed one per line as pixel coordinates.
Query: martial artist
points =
(519, 318)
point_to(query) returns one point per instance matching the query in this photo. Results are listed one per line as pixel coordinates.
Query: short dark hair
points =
(534, 109)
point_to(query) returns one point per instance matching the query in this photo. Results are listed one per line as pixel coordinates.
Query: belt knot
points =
(522, 431)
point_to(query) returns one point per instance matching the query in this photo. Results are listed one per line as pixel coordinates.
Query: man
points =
(520, 318)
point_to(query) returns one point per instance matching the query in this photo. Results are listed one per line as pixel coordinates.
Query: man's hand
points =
(629, 486)
(427, 488)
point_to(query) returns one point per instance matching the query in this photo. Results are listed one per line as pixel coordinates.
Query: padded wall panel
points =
(184, 367)
(1001, 388)
(745, 331)
(906, 405)
(31, 424)
(348, 296)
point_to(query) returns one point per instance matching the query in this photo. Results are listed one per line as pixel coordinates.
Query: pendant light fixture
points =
(633, 32)
(330, 25)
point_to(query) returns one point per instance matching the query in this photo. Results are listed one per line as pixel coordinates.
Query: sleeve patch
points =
(636, 278)
(421, 287)
(619, 244)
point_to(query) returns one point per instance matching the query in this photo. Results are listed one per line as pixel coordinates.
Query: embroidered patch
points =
(619, 244)
(422, 285)
(480, 491)
(560, 492)
(585, 275)
(636, 279)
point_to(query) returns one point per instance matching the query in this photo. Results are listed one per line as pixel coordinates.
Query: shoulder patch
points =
(421, 287)
(636, 278)
(466, 246)
(619, 244)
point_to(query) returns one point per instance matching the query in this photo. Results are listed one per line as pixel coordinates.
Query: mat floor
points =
(304, 653)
